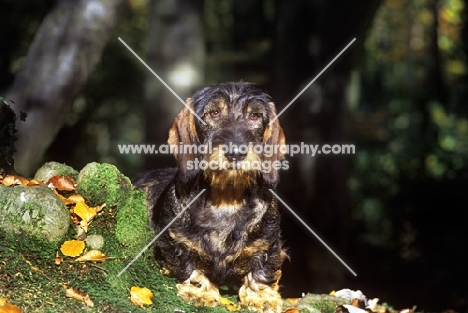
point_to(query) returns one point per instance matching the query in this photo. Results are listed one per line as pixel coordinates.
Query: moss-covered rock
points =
(103, 183)
(51, 169)
(95, 242)
(34, 210)
(132, 229)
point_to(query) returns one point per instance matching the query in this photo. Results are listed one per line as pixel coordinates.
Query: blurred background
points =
(395, 211)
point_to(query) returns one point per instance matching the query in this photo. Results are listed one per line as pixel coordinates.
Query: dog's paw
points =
(259, 297)
(198, 290)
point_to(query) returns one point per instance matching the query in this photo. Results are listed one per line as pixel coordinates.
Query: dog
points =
(231, 232)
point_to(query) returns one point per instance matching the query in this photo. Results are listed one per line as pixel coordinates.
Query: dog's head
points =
(244, 144)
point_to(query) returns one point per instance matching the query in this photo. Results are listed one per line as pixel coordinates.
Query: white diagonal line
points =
(313, 80)
(161, 80)
(160, 233)
(313, 233)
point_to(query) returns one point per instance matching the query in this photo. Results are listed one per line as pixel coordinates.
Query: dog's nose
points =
(235, 153)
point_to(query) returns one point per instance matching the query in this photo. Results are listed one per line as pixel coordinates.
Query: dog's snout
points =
(236, 153)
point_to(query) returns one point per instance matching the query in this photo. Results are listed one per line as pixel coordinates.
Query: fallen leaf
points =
(75, 294)
(84, 225)
(5, 307)
(99, 208)
(72, 248)
(10, 180)
(291, 310)
(80, 233)
(140, 296)
(228, 304)
(84, 211)
(58, 259)
(92, 255)
(33, 182)
(350, 309)
(293, 300)
(76, 198)
(62, 183)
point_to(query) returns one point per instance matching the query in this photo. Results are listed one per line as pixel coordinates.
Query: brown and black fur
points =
(232, 231)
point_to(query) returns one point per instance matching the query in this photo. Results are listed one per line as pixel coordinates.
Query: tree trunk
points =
(309, 34)
(176, 53)
(62, 56)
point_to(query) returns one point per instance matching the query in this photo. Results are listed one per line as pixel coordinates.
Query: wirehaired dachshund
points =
(231, 232)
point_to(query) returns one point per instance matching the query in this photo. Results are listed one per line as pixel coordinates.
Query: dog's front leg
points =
(199, 290)
(260, 297)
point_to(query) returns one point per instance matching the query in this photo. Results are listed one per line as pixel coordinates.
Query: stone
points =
(35, 211)
(50, 169)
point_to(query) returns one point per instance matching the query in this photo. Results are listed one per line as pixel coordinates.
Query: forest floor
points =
(37, 275)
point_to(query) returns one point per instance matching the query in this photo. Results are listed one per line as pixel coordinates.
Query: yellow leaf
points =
(75, 294)
(72, 247)
(5, 307)
(228, 304)
(84, 211)
(140, 296)
(76, 198)
(33, 182)
(92, 255)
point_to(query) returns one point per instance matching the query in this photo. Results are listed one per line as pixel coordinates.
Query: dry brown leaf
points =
(62, 183)
(84, 212)
(228, 304)
(72, 248)
(75, 219)
(10, 180)
(75, 294)
(140, 296)
(5, 307)
(92, 255)
(99, 208)
(58, 259)
(291, 310)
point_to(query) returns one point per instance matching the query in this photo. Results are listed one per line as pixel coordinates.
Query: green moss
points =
(38, 286)
(132, 229)
(103, 183)
(320, 302)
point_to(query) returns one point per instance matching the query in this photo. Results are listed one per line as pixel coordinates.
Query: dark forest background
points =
(395, 211)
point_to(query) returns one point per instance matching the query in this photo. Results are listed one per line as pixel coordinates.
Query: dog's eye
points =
(255, 116)
(214, 114)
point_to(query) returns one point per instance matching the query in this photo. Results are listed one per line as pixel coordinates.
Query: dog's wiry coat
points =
(231, 232)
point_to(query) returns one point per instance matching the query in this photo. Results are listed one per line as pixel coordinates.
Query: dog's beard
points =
(230, 180)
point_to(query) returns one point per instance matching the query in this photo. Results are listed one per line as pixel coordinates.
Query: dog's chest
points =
(226, 230)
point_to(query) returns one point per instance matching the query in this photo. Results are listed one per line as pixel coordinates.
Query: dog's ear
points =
(183, 132)
(274, 137)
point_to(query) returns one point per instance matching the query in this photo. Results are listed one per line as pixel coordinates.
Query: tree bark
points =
(175, 51)
(62, 56)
